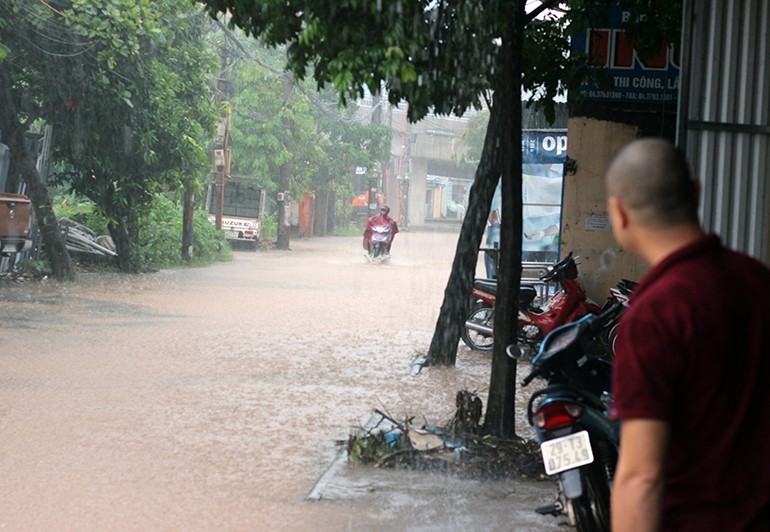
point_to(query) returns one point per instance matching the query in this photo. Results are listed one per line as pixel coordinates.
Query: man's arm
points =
(637, 493)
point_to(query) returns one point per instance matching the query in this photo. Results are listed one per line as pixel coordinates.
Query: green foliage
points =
(35, 268)
(407, 47)
(438, 55)
(209, 243)
(83, 212)
(473, 138)
(160, 236)
(347, 229)
(160, 232)
(125, 86)
(371, 447)
(269, 227)
(324, 141)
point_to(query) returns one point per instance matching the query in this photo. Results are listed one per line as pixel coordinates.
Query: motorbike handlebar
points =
(555, 271)
(529, 378)
(602, 320)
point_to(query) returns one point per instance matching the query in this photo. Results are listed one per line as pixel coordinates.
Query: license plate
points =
(231, 234)
(567, 452)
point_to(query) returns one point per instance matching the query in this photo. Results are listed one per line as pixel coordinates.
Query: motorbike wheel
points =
(592, 509)
(484, 314)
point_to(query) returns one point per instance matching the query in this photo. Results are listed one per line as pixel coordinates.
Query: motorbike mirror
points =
(513, 351)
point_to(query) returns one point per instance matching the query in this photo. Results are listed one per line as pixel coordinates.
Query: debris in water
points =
(458, 448)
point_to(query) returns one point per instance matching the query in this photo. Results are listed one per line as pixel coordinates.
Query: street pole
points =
(287, 168)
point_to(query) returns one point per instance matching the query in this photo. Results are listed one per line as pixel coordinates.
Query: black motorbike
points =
(570, 418)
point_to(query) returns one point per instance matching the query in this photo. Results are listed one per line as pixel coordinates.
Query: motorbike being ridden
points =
(570, 418)
(378, 235)
(534, 323)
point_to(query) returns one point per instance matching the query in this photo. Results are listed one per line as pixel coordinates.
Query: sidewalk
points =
(424, 501)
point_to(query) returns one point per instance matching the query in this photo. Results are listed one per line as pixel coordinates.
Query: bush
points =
(83, 212)
(160, 232)
(160, 236)
(348, 229)
(268, 228)
(209, 243)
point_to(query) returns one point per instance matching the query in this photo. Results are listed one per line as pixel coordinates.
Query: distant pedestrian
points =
(492, 242)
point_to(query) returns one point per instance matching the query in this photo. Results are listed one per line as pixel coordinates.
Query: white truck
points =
(243, 202)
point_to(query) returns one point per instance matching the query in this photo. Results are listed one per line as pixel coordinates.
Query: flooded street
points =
(211, 398)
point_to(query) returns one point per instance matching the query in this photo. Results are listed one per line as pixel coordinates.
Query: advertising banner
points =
(653, 80)
(543, 154)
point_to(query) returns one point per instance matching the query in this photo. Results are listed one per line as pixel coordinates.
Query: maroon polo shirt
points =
(694, 350)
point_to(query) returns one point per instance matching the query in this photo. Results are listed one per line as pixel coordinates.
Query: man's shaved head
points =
(652, 179)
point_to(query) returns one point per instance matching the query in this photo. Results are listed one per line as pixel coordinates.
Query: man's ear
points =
(619, 212)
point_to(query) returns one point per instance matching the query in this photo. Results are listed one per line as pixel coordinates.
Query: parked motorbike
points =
(378, 241)
(619, 294)
(570, 418)
(534, 323)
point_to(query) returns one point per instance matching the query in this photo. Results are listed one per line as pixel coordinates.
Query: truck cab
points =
(15, 223)
(243, 206)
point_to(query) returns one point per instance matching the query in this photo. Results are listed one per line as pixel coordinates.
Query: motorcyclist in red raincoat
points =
(375, 225)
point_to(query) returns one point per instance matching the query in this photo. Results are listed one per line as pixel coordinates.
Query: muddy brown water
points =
(212, 398)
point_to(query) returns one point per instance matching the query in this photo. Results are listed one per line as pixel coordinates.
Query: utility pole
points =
(376, 183)
(287, 168)
(221, 159)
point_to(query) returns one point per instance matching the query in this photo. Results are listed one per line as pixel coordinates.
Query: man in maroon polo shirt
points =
(692, 371)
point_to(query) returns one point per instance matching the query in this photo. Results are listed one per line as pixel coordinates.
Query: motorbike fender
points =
(570, 483)
(600, 427)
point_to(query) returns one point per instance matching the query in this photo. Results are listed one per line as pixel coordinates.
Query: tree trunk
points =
(501, 155)
(321, 213)
(119, 234)
(62, 267)
(331, 217)
(454, 309)
(500, 418)
(125, 233)
(188, 203)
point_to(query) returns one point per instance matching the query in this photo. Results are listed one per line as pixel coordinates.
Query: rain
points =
(214, 398)
(221, 395)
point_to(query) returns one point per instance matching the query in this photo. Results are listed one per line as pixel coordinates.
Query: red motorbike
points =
(378, 239)
(534, 323)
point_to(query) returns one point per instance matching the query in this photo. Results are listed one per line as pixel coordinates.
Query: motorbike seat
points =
(527, 294)
(488, 285)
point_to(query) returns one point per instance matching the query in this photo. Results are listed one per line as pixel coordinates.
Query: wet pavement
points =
(213, 398)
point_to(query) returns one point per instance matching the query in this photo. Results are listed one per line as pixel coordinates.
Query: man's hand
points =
(637, 495)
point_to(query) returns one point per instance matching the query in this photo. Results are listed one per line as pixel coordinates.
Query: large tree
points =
(140, 116)
(324, 143)
(28, 70)
(125, 85)
(443, 56)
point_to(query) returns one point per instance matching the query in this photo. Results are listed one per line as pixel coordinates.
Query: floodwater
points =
(213, 398)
